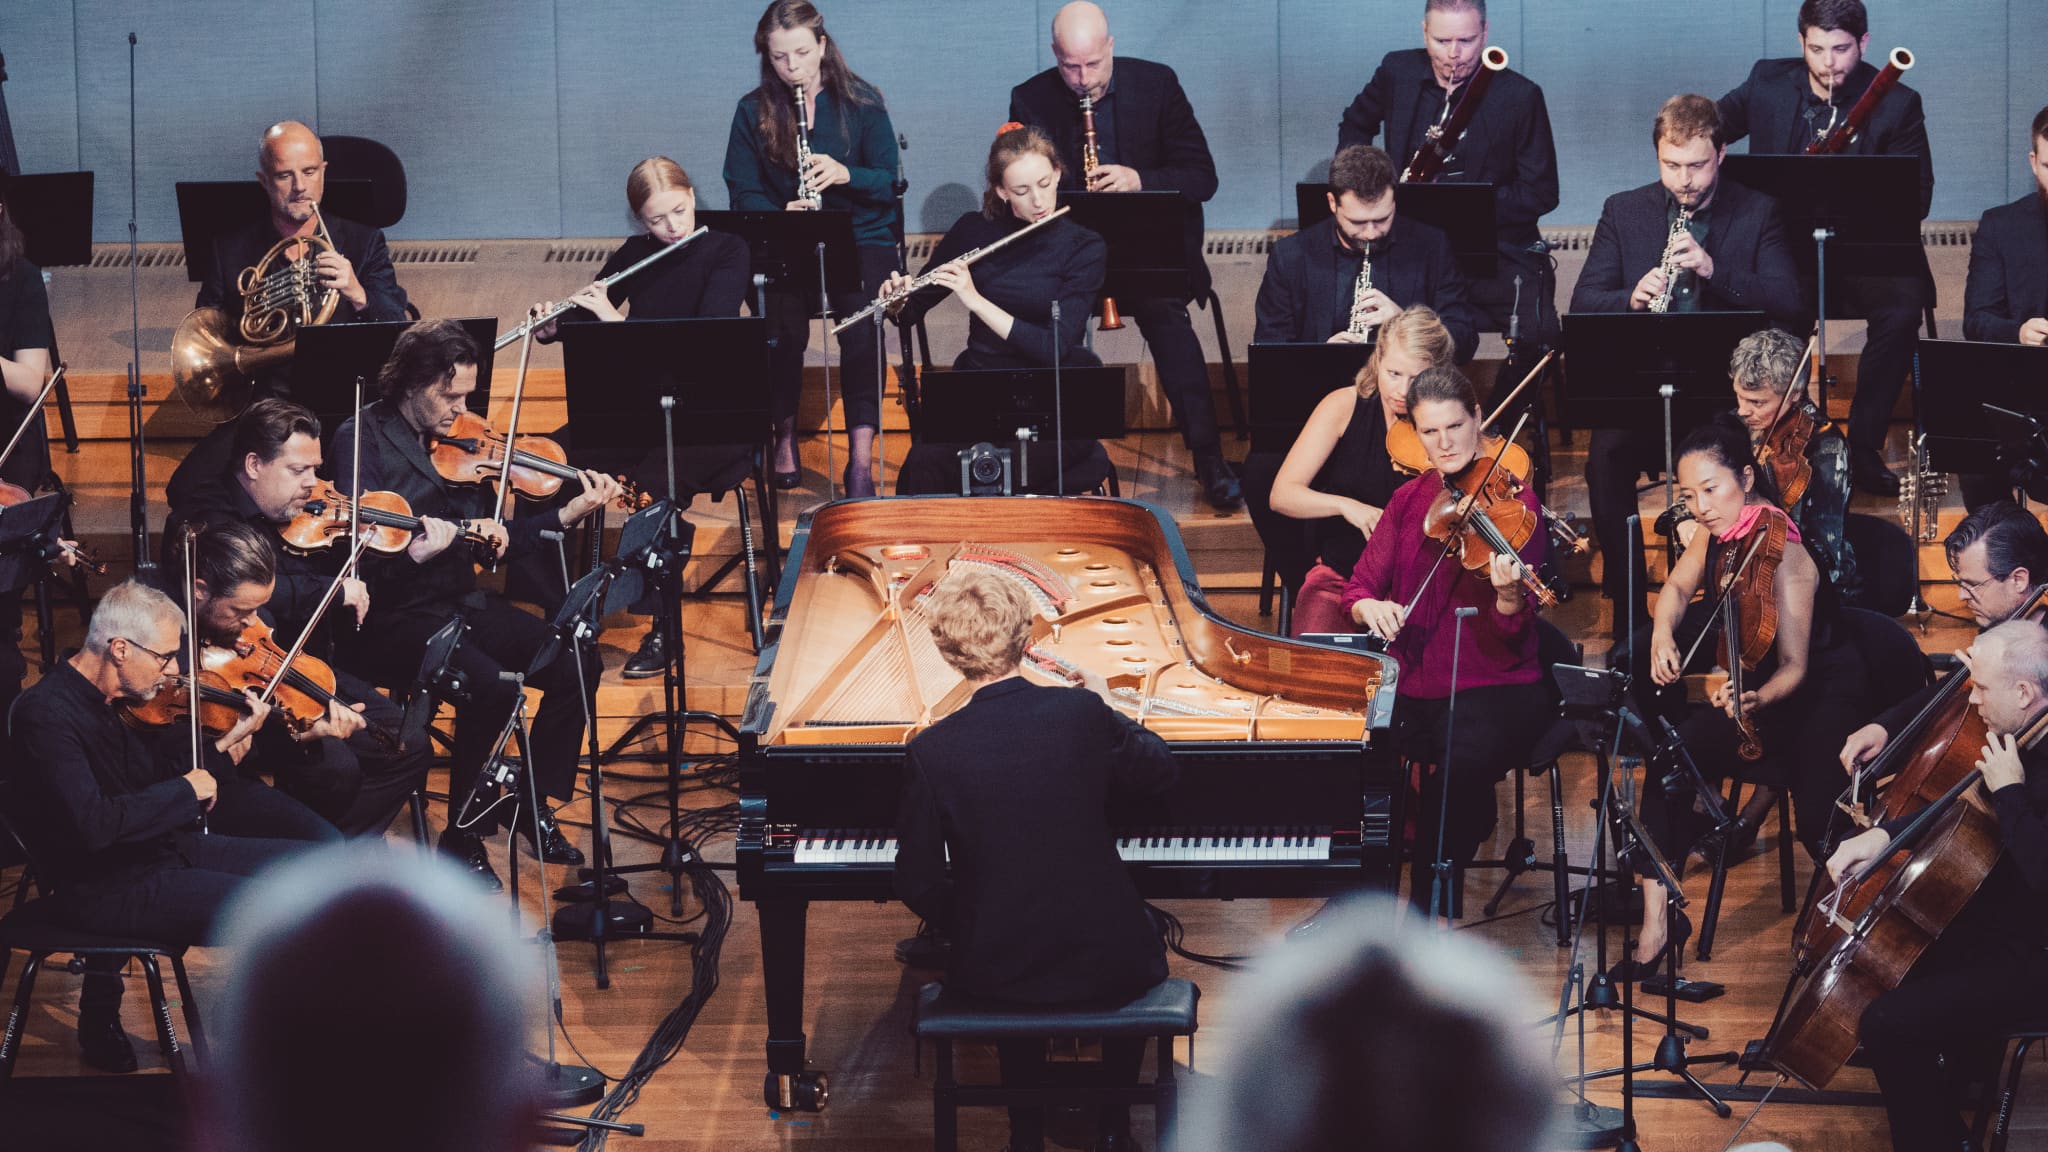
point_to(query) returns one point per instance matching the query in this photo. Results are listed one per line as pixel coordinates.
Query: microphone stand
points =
(1059, 416)
(825, 351)
(1440, 868)
(138, 479)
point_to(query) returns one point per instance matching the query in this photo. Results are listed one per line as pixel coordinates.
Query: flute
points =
(563, 307)
(925, 280)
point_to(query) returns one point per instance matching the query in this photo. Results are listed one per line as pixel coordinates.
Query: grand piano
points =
(1281, 793)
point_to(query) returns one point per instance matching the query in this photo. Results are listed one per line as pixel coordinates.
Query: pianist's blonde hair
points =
(1420, 332)
(981, 623)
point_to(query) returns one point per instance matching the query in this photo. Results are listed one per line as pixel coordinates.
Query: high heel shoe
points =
(1629, 969)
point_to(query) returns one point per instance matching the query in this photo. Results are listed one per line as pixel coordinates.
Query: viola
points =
(385, 517)
(1405, 450)
(304, 691)
(1747, 581)
(473, 453)
(220, 707)
(1480, 514)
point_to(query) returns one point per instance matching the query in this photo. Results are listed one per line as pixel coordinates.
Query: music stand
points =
(1289, 380)
(1023, 405)
(1617, 362)
(1147, 236)
(210, 209)
(1461, 210)
(54, 212)
(329, 357)
(1862, 213)
(1961, 436)
(618, 374)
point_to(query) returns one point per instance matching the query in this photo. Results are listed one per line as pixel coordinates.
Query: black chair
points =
(2023, 1037)
(1897, 668)
(1553, 648)
(360, 158)
(1887, 562)
(1289, 544)
(1162, 1013)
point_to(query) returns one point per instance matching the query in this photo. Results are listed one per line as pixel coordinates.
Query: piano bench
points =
(1165, 1011)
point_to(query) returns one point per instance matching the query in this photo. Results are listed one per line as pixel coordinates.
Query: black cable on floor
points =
(1174, 933)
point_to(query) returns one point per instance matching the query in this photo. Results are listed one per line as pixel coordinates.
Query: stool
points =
(31, 929)
(1163, 1012)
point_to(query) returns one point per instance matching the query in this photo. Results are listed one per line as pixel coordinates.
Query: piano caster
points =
(803, 1092)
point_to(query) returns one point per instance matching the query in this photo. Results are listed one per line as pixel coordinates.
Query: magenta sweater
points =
(1498, 649)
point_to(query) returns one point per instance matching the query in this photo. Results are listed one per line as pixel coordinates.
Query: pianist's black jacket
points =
(1017, 783)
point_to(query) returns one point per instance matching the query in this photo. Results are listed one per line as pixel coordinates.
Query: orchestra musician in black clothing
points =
(1003, 837)
(26, 338)
(292, 167)
(1009, 296)
(1507, 144)
(1311, 291)
(1731, 256)
(423, 387)
(1147, 139)
(1786, 105)
(853, 167)
(2005, 299)
(135, 839)
(706, 280)
(1984, 974)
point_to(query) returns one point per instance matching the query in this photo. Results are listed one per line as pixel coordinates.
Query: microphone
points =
(551, 535)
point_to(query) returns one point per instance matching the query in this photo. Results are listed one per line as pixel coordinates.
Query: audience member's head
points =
(1374, 1033)
(376, 1001)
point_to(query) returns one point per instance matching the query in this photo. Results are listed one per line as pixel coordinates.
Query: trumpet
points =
(1920, 494)
(561, 308)
(924, 280)
(812, 196)
(1669, 264)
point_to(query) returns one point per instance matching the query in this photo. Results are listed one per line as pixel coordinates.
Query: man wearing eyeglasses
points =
(132, 837)
(1999, 554)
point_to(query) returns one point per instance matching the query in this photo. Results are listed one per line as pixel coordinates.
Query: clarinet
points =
(810, 194)
(1360, 289)
(1669, 265)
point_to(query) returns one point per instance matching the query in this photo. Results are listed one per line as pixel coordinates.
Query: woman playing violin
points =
(26, 338)
(1800, 691)
(1405, 591)
(1338, 472)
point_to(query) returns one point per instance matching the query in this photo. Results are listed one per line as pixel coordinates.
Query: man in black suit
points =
(1787, 104)
(2006, 298)
(1146, 139)
(425, 386)
(1016, 786)
(1731, 256)
(1507, 144)
(1311, 291)
(292, 168)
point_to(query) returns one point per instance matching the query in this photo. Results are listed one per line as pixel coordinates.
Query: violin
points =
(1783, 451)
(220, 707)
(302, 696)
(1749, 613)
(86, 558)
(386, 518)
(1480, 514)
(472, 453)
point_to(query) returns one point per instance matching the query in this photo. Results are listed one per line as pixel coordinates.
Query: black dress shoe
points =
(1219, 487)
(647, 660)
(105, 1044)
(555, 848)
(1629, 970)
(789, 479)
(1869, 473)
(467, 849)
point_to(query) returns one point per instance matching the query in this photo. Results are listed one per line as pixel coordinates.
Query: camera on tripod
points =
(985, 470)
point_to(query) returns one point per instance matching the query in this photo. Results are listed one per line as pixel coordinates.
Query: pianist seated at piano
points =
(1338, 472)
(1399, 592)
(1009, 297)
(1015, 787)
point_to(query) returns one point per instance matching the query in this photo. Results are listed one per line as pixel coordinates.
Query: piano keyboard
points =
(1218, 845)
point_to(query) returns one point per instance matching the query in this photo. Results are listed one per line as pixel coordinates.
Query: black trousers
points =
(1802, 739)
(1892, 306)
(357, 784)
(789, 328)
(1614, 459)
(1183, 370)
(501, 637)
(1944, 1025)
(250, 827)
(1491, 738)
(13, 665)
(1023, 1064)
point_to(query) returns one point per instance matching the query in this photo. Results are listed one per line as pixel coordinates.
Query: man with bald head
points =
(1147, 140)
(292, 168)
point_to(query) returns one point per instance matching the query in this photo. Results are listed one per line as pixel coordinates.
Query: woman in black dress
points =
(26, 338)
(1009, 296)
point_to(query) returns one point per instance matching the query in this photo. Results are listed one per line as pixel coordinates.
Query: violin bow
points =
(1727, 590)
(192, 687)
(512, 430)
(1785, 397)
(355, 483)
(1510, 397)
(34, 413)
(284, 667)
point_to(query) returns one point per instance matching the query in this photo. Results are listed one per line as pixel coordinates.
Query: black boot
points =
(1219, 486)
(467, 849)
(104, 1043)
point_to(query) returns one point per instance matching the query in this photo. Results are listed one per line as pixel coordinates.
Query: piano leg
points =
(789, 1085)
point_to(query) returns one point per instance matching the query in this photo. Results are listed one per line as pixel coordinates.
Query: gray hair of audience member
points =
(377, 1000)
(1375, 1032)
(130, 610)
